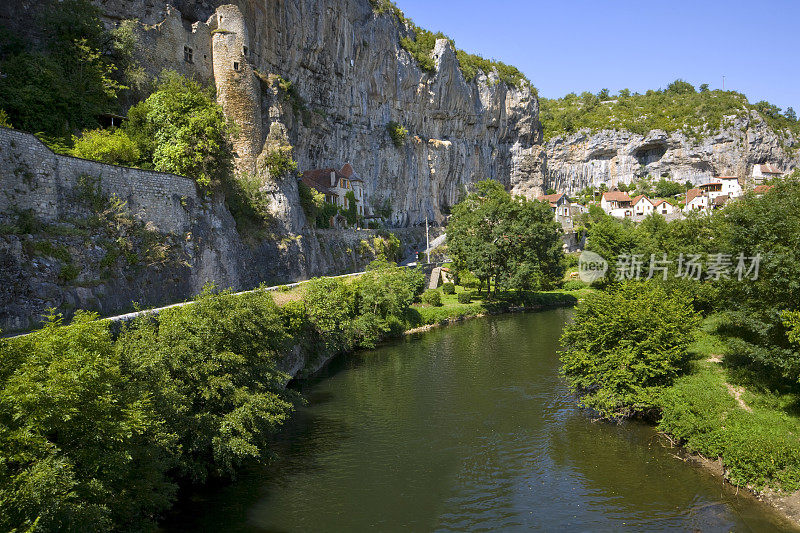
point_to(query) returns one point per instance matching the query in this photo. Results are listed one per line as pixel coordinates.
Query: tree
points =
(770, 226)
(82, 447)
(604, 94)
(680, 87)
(180, 128)
(624, 93)
(505, 239)
(790, 114)
(62, 87)
(108, 146)
(351, 211)
(210, 372)
(704, 88)
(625, 347)
(666, 188)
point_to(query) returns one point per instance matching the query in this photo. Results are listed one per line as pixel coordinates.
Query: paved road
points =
(411, 260)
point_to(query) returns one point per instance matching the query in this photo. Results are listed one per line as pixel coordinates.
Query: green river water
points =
(467, 428)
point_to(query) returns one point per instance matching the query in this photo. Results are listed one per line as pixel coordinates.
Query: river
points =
(467, 428)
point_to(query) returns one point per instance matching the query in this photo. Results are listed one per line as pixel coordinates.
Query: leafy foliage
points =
(432, 297)
(180, 128)
(678, 108)
(625, 347)
(108, 146)
(64, 86)
(505, 239)
(398, 133)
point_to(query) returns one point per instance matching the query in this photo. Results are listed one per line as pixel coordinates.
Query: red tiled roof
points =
(720, 200)
(710, 183)
(347, 170)
(636, 199)
(761, 189)
(552, 198)
(691, 194)
(616, 196)
(770, 169)
(319, 179)
(659, 202)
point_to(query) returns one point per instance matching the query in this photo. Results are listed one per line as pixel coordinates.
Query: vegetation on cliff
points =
(421, 42)
(679, 107)
(64, 84)
(732, 392)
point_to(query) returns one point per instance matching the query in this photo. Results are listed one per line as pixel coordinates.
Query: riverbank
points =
(734, 426)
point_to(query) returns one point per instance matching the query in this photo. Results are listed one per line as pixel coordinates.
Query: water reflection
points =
(465, 429)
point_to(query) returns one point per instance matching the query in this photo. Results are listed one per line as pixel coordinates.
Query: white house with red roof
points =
(559, 203)
(663, 207)
(765, 171)
(696, 200)
(617, 204)
(642, 206)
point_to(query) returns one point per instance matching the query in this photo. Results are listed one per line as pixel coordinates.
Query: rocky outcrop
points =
(349, 78)
(610, 157)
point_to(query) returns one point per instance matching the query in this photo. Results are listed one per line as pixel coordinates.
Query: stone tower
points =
(238, 90)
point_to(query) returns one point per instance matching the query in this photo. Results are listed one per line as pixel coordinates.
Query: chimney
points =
(333, 178)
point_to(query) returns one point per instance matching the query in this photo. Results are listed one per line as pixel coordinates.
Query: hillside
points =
(680, 133)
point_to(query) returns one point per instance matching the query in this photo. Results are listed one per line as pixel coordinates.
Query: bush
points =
(449, 288)
(574, 285)
(398, 133)
(465, 297)
(432, 297)
(107, 146)
(625, 347)
(181, 128)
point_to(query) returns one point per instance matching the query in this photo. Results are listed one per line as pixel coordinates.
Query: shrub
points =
(4, 121)
(107, 146)
(432, 297)
(574, 285)
(181, 128)
(398, 133)
(625, 346)
(279, 162)
(465, 297)
(449, 288)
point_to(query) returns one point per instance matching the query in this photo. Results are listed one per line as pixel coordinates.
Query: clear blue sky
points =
(586, 45)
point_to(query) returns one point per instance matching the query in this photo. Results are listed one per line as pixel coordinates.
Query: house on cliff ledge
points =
(335, 184)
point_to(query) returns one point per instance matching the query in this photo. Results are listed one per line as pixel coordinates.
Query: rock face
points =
(349, 78)
(609, 157)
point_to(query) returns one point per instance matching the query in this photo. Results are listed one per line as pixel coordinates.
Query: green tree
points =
(790, 114)
(505, 239)
(180, 128)
(704, 88)
(82, 447)
(625, 347)
(210, 372)
(108, 146)
(61, 87)
(351, 211)
(770, 226)
(680, 87)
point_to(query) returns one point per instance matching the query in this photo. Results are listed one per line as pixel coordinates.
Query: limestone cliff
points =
(348, 78)
(611, 156)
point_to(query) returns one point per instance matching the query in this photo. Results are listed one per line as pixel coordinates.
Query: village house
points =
(761, 173)
(761, 189)
(730, 186)
(696, 200)
(559, 203)
(617, 204)
(335, 184)
(663, 207)
(642, 206)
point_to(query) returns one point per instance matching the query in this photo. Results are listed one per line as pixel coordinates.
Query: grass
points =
(452, 309)
(755, 432)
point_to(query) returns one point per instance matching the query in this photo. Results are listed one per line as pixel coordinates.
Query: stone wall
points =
(65, 256)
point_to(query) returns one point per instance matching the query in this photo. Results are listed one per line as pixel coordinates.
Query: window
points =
(244, 51)
(188, 54)
(236, 66)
